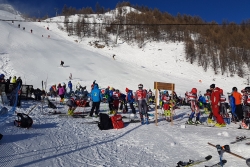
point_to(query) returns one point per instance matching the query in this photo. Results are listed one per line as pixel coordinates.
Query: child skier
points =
(72, 105)
(130, 99)
(192, 97)
(141, 98)
(116, 96)
(166, 105)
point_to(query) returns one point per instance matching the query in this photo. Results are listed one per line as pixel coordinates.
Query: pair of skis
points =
(199, 161)
(239, 139)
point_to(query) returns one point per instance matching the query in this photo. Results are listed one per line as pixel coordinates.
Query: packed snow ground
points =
(60, 141)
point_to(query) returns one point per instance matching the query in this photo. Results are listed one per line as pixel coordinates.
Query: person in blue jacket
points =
(70, 86)
(233, 107)
(96, 97)
(130, 99)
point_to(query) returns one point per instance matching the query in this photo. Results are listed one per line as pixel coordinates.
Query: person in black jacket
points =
(19, 82)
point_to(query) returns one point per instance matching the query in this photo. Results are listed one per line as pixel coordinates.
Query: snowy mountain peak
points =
(9, 8)
(123, 10)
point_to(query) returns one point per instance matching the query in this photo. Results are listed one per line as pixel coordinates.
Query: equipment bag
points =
(51, 105)
(105, 122)
(117, 121)
(23, 121)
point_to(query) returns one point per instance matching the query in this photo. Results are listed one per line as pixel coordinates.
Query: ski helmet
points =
(140, 86)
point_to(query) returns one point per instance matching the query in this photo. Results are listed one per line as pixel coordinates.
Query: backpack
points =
(117, 121)
(105, 122)
(23, 121)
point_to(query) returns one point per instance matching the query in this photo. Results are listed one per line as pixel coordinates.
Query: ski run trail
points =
(54, 140)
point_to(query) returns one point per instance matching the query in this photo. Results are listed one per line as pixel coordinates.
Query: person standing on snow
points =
(141, 98)
(72, 105)
(238, 107)
(215, 102)
(193, 99)
(96, 97)
(116, 96)
(62, 63)
(19, 82)
(110, 100)
(130, 99)
(61, 92)
(70, 86)
(123, 103)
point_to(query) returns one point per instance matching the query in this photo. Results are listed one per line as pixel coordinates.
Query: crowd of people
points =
(214, 102)
(216, 106)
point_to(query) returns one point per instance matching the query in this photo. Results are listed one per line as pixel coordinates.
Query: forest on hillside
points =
(223, 47)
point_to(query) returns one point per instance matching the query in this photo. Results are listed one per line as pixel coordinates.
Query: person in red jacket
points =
(215, 102)
(141, 98)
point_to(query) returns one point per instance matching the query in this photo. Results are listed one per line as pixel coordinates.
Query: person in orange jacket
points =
(238, 107)
(215, 102)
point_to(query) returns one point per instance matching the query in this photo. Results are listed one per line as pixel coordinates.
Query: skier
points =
(238, 107)
(13, 80)
(114, 56)
(61, 92)
(166, 105)
(193, 99)
(2, 78)
(116, 95)
(19, 82)
(223, 108)
(130, 99)
(96, 97)
(215, 102)
(246, 109)
(70, 76)
(53, 90)
(72, 105)
(150, 96)
(31, 31)
(70, 86)
(207, 106)
(141, 98)
(92, 86)
(123, 103)
(62, 63)
(110, 100)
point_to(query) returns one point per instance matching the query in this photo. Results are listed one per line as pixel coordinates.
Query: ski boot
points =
(190, 122)
(142, 121)
(210, 121)
(146, 121)
(197, 122)
(70, 112)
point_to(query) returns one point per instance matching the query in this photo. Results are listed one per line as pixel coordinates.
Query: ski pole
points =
(229, 152)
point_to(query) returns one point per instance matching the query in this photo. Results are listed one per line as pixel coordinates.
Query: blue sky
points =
(208, 10)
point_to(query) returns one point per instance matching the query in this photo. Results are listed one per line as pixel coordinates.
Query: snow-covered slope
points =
(9, 8)
(58, 141)
(34, 57)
